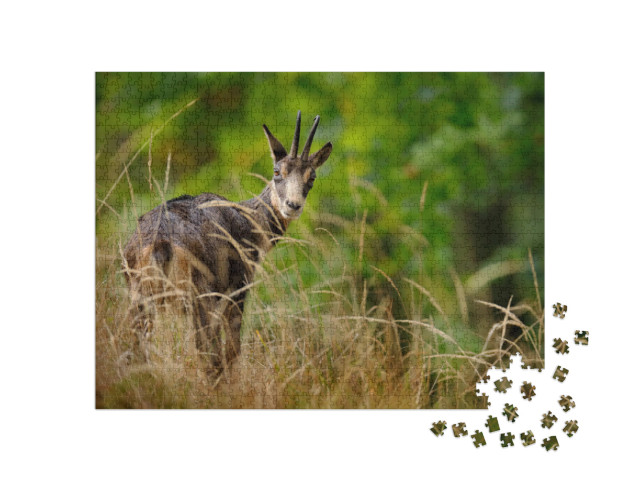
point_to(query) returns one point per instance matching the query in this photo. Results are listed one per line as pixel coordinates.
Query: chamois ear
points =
(277, 150)
(321, 155)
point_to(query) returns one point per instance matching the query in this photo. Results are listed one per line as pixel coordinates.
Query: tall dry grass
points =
(325, 344)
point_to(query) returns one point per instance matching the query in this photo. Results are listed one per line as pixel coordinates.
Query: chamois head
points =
(293, 175)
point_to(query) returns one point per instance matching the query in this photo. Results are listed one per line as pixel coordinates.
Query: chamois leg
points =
(148, 287)
(232, 326)
(139, 318)
(208, 339)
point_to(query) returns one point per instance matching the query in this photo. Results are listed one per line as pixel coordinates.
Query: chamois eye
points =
(276, 172)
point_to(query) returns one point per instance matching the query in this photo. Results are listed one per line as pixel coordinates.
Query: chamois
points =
(206, 248)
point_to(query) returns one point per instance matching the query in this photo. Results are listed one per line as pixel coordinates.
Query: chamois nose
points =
(292, 205)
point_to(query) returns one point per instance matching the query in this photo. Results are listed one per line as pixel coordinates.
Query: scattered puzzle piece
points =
(559, 310)
(511, 412)
(527, 390)
(527, 438)
(560, 374)
(561, 347)
(570, 427)
(492, 424)
(459, 429)
(548, 420)
(507, 439)
(502, 385)
(551, 443)
(438, 428)
(567, 403)
(478, 439)
(582, 337)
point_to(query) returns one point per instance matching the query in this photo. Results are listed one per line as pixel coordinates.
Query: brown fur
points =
(204, 249)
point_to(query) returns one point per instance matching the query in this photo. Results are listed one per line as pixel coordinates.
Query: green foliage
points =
(443, 171)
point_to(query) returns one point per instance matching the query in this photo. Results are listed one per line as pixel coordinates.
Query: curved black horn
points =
(296, 139)
(307, 146)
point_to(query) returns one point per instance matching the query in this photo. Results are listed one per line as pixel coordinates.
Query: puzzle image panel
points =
(319, 240)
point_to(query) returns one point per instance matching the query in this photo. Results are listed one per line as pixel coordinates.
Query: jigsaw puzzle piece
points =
(550, 443)
(559, 310)
(570, 427)
(567, 403)
(560, 374)
(502, 385)
(561, 347)
(493, 424)
(459, 429)
(507, 439)
(439, 428)
(582, 337)
(527, 390)
(478, 439)
(511, 412)
(548, 420)
(527, 438)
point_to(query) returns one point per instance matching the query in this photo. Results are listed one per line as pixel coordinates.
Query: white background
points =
(50, 52)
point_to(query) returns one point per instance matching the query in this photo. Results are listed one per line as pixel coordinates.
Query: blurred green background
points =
(445, 170)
